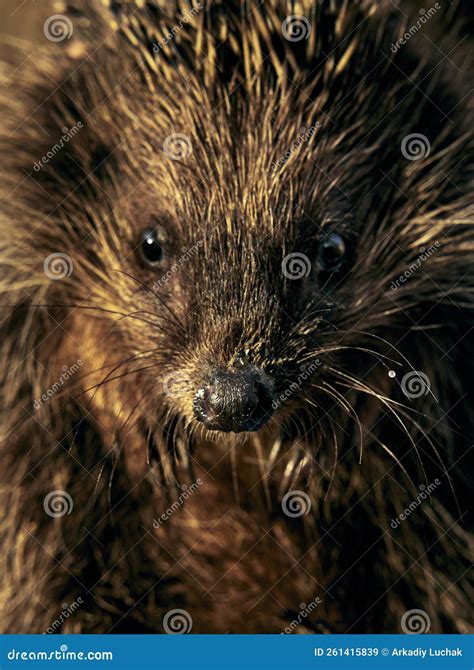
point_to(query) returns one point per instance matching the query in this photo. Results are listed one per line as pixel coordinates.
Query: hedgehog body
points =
(224, 187)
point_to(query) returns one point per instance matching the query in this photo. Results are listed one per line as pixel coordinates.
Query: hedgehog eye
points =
(151, 249)
(331, 253)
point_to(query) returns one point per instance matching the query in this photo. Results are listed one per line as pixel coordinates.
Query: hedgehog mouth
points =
(247, 424)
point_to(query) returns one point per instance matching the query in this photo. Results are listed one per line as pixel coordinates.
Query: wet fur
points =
(348, 437)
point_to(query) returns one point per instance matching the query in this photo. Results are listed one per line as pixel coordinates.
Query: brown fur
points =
(116, 442)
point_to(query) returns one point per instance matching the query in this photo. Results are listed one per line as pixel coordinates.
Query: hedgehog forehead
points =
(264, 186)
(250, 175)
(216, 143)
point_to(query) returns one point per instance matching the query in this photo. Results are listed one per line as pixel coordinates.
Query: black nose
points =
(235, 401)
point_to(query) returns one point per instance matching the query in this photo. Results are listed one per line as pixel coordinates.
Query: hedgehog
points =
(236, 305)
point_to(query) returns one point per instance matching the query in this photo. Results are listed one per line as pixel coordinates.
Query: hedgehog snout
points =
(235, 400)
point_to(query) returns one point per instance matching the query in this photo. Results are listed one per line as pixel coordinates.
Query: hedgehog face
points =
(249, 335)
(236, 239)
(234, 316)
(245, 307)
(257, 289)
